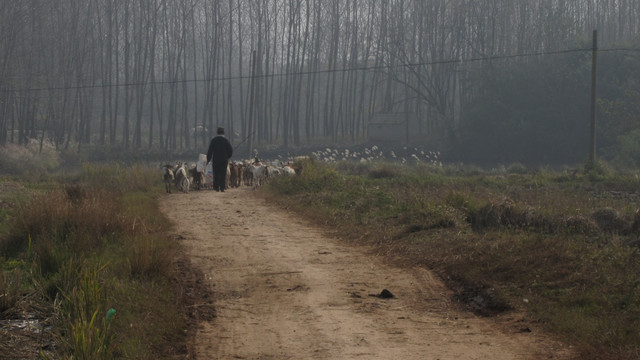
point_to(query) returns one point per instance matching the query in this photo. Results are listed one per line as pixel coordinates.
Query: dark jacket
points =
(220, 150)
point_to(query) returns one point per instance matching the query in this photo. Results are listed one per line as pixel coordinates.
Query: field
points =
(560, 246)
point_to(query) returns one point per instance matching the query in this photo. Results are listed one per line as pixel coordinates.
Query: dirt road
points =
(283, 289)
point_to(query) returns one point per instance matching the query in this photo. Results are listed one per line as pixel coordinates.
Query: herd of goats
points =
(185, 177)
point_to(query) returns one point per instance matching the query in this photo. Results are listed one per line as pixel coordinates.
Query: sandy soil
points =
(284, 289)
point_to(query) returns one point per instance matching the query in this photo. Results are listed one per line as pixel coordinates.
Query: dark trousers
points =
(220, 176)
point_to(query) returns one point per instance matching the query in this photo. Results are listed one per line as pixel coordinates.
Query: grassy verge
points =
(88, 256)
(561, 246)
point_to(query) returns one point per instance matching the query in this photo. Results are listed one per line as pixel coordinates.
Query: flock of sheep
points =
(404, 155)
(185, 177)
(194, 176)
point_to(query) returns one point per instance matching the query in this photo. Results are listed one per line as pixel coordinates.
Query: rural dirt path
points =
(284, 289)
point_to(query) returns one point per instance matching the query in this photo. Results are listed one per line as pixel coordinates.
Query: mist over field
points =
(481, 82)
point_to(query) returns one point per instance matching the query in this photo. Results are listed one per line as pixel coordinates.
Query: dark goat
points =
(198, 178)
(168, 177)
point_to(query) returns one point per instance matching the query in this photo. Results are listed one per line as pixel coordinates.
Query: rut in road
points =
(283, 289)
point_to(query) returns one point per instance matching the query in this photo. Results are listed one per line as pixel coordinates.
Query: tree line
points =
(164, 74)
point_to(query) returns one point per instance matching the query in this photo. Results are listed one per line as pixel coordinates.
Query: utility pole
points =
(594, 58)
(251, 101)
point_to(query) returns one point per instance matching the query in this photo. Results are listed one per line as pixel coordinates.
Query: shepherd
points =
(219, 153)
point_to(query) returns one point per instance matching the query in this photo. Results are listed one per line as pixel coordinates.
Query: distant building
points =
(398, 126)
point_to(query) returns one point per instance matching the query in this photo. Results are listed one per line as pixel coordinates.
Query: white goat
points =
(288, 170)
(260, 175)
(182, 177)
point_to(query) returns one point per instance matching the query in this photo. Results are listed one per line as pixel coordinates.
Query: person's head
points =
(220, 130)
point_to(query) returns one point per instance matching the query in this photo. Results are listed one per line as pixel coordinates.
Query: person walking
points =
(219, 153)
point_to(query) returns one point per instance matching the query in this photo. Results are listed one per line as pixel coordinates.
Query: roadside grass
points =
(92, 251)
(562, 246)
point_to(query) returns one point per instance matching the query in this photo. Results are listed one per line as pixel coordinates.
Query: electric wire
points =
(325, 71)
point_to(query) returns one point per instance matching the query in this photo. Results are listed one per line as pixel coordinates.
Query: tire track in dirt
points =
(284, 290)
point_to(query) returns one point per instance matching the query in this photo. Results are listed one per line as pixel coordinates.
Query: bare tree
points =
(112, 71)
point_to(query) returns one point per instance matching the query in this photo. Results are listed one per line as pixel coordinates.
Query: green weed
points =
(85, 309)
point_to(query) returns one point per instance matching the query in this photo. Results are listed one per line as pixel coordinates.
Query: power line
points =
(327, 71)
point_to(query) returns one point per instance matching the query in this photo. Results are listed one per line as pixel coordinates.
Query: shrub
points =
(578, 224)
(67, 219)
(597, 170)
(609, 220)
(30, 158)
(495, 215)
(120, 179)
(517, 168)
(460, 201)
(317, 177)
(383, 171)
(148, 256)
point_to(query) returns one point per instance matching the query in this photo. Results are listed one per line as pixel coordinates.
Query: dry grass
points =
(148, 257)
(97, 244)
